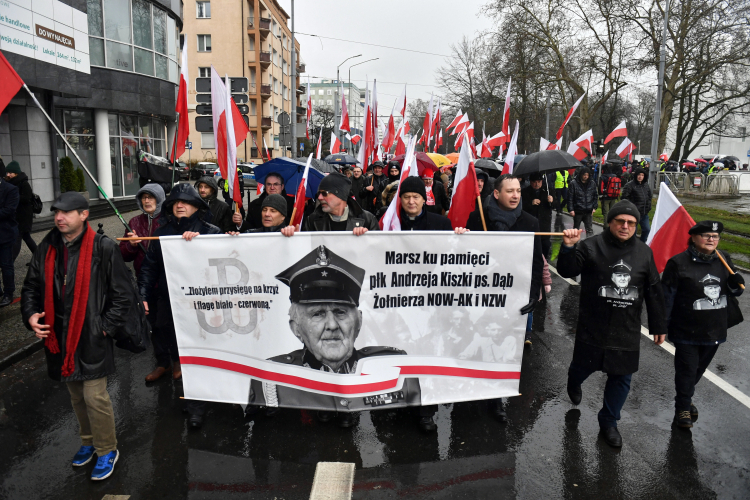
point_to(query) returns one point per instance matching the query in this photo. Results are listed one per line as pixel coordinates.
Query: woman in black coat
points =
(25, 210)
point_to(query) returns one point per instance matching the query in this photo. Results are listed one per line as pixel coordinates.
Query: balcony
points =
(266, 122)
(300, 68)
(301, 110)
(265, 90)
(264, 25)
(265, 59)
(250, 24)
(252, 89)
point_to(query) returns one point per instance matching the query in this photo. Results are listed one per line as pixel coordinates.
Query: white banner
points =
(331, 321)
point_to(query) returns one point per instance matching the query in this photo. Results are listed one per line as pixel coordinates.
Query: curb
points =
(21, 354)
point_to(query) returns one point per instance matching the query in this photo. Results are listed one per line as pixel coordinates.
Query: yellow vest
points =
(561, 179)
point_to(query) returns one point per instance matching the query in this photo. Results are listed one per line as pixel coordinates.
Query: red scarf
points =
(81, 297)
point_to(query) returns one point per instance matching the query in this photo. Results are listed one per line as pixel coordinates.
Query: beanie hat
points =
(13, 168)
(277, 202)
(413, 184)
(337, 184)
(623, 207)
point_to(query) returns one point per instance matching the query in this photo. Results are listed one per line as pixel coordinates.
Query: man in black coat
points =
(336, 211)
(8, 233)
(373, 187)
(272, 184)
(358, 184)
(219, 214)
(618, 275)
(583, 200)
(537, 201)
(185, 211)
(25, 210)
(639, 193)
(73, 254)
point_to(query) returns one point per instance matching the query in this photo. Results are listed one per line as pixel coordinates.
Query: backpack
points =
(610, 186)
(134, 334)
(37, 204)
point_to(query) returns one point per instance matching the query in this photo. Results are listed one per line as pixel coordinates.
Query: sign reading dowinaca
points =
(330, 321)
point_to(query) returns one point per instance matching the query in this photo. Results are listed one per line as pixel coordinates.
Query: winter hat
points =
(13, 168)
(413, 184)
(707, 226)
(277, 202)
(337, 184)
(623, 207)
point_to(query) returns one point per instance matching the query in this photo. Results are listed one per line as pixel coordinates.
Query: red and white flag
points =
(669, 229)
(485, 151)
(226, 129)
(391, 220)
(470, 131)
(496, 140)
(556, 146)
(181, 107)
(576, 147)
(374, 140)
(466, 189)
(265, 146)
(620, 131)
(400, 141)
(436, 120)
(354, 139)
(455, 121)
(439, 141)
(462, 125)
(320, 143)
(300, 198)
(604, 159)
(427, 125)
(543, 144)
(510, 157)
(567, 118)
(12, 83)
(309, 109)
(344, 125)
(335, 144)
(401, 103)
(625, 148)
(506, 114)
(363, 157)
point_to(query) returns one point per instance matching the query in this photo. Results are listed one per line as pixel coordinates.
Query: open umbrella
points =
(341, 159)
(291, 171)
(700, 160)
(689, 164)
(546, 161)
(453, 157)
(486, 165)
(439, 160)
(321, 165)
(730, 158)
(423, 162)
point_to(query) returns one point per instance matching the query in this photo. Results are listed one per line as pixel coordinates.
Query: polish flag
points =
(402, 103)
(466, 189)
(300, 198)
(265, 146)
(473, 145)
(543, 144)
(556, 146)
(496, 140)
(354, 139)
(407, 127)
(576, 147)
(461, 126)
(567, 118)
(619, 131)
(335, 144)
(604, 159)
(389, 135)
(309, 109)
(669, 229)
(455, 121)
(470, 131)
(626, 148)
(320, 143)
(363, 156)
(183, 126)
(374, 140)
(400, 143)
(485, 151)
(226, 130)
(344, 125)
(439, 141)
(12, 83)
(510, 157)
(506, 114)
(391, 220)
(436, 120)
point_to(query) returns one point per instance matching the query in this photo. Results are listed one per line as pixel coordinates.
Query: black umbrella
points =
(730, 158)
(546, 161)
(485, 164)
(322, 166)
(341, 159)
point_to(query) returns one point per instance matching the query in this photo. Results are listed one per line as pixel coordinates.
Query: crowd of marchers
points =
(78, 294)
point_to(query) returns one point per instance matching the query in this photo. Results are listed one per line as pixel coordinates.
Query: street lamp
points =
(336, 109)
(350, 78)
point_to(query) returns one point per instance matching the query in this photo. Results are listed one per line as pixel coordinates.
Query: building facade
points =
(106, 71)
(245, 38)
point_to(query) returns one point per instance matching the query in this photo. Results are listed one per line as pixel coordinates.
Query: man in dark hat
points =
(608, 334)
(273, 184)
(639, 192)
(185, 211)
(701, 305)
(336, 210)
(537, 201)
(324, 315)
(25, 210)
(9, 199)
(374, 186)
(77, 297)
(219, 214)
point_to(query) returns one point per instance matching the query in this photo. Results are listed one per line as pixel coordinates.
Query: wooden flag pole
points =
(721, 257)
(499, 233)
(294, 212)
(147, 238)
(481, 212)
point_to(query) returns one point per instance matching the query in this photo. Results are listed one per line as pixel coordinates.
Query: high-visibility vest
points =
(561, 180)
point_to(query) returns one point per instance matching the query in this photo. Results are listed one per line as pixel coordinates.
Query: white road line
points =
(718, 381)
(333, 481)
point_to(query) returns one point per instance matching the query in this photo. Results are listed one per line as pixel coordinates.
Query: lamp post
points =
(336, 108)
(350, 82)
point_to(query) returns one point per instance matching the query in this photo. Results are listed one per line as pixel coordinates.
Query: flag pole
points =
(99, 187)
(157, 237)
(174, 146)
(481, 212)
(721, 258)
(294, 212)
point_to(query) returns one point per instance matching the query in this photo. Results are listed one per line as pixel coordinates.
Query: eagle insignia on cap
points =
(716, 226)
(322, 259)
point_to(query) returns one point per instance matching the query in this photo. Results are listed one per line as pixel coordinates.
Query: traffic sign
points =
(301, 146)
(238, 84)
(206, 123)
(284, 119)
(205, 109)
(188, 145)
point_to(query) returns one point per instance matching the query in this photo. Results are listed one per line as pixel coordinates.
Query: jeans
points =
(96, 418)
(584, 216)
(30, 243)
(8, 271)
(529, 321)
(645, 227)
(606, 207)
(690, 361)
(615, 393)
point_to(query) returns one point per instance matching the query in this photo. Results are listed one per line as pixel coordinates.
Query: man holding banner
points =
(336, 211)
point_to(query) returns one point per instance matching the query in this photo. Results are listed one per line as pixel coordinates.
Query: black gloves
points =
(528, 307)
(735, 280)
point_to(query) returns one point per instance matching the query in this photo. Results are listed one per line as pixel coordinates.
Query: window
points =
(329, 102)
(329, 92)
(204, 43)
(204, 72)
(203, 10)
(320, 92)
(251, 43)
(274, 57)
(283, 66)
(207, 140)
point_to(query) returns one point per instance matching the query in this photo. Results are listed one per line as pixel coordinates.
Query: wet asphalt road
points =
(548, 449)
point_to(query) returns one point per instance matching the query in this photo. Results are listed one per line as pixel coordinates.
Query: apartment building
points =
(243, 38)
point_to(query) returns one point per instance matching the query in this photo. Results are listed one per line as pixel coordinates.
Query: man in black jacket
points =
(374, 186)
(336, 211)
(358, 184)
(25, 210)
(618, 275)
(639, 193)
(185, 212)
(698, 291)
(538, 202)
(583, 200)
(77, 293)
(272, 184)
(220, 214)
(8, 233)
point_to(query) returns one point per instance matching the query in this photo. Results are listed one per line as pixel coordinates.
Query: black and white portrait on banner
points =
(712, 289)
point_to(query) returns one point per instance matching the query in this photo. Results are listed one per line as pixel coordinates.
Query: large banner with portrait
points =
(332, 321)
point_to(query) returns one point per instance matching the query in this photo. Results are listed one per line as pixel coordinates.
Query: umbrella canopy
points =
(486, 165)
(341, 159)
(424, 162)
(663, 157)
(453, 157)
(730, 158)
(291, 171)
(439, 160)
(321, 165)
(546, 161)
(689, 164)
(700, 160)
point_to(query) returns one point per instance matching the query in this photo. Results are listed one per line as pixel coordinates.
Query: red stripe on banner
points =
(450, 371)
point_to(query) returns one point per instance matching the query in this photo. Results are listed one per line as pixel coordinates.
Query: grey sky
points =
(429, 26)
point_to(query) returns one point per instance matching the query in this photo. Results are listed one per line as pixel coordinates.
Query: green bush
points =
(68, 178)
(80, 180)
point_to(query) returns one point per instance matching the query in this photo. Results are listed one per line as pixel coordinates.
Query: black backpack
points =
(37, 205)
(134, 334)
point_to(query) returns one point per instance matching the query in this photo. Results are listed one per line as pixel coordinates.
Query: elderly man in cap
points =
(324, 316)
(9, 199)
(273, 216)
(608, 335)
(374, 186)
(77, 297)
(698, 289)
(273, 184)
(336, 211)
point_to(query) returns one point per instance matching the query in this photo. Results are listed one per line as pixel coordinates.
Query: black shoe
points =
(251, 411)
(195, 421)
(272, 410)
(346, 420)
(527, 340)
(612, 437)
(498, 412)
(5, 301)
(325, 416)
(683, 419)
(575, 394)
(427, 424)
(693, 413)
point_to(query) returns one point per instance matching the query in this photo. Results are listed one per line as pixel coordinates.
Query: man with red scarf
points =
(76, 296)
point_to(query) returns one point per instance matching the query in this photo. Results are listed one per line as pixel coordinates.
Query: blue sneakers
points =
(84, 456)
(105, 466)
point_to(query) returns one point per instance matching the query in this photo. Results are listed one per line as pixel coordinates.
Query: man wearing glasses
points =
(336, 210)
(697, 291)
(608, 333)
(273, 184)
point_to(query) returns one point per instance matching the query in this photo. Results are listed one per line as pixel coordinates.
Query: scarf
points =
(503, 220)
(81, 296)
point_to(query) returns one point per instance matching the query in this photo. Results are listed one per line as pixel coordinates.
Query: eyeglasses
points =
(275, 184)
(322, 193)
(709, 237)
(622, 222)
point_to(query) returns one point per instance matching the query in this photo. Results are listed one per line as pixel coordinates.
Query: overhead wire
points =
(374, 45)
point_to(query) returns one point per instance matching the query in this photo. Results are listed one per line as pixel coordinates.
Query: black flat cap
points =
(323, 276)
(707, 226)
(70, 200)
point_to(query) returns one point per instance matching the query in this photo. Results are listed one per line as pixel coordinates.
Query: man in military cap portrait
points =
(621, 279)
(324, 315)
(714, 299)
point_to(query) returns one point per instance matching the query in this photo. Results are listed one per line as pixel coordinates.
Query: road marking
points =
(333, 481)
(718, 381)
(115, 497)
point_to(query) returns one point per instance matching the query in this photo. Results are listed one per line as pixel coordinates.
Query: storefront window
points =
(94, 12)
(119, 56)
(78, 127)
(142, 23)
(135, 133)
(117, 20)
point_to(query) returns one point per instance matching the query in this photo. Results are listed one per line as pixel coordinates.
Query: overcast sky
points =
(424, 25)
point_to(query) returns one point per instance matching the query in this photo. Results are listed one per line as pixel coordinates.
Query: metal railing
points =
(722, 184)
(677, 181)
(743, 182)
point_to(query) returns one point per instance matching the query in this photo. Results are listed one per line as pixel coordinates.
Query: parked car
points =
(248, 174)
(202, 168)
(183, 170)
